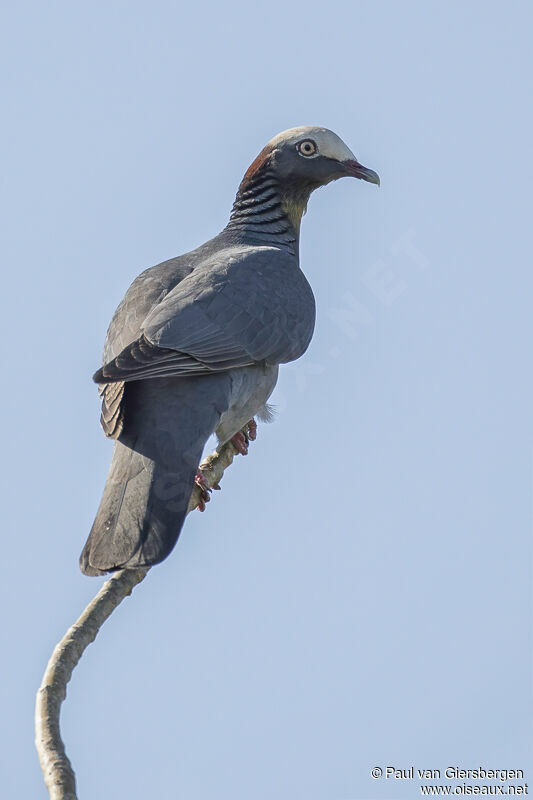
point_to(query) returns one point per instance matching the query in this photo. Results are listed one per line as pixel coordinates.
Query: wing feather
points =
(244, 306)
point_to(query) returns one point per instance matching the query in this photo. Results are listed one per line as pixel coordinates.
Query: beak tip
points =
(370, 176)
(356, 170)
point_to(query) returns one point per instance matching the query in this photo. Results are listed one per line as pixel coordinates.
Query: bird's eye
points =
(307, 148)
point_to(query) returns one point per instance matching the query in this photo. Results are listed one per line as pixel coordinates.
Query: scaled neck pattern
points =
(264, 213)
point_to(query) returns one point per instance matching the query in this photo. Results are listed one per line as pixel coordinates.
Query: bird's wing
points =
(241, 306)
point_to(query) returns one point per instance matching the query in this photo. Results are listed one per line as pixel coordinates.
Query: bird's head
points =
(300, 160)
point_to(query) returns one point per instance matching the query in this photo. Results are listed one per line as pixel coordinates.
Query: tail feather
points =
(166, 424)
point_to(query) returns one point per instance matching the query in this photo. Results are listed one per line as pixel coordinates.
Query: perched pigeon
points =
(195, 344)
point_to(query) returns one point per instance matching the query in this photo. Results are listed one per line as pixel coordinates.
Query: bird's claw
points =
(252, 430)
(240, 442)
(242, 438)
(201, 481)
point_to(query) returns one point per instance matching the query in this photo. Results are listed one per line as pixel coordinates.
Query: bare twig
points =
(57, 770)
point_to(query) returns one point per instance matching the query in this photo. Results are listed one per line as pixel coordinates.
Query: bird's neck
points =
(266, 212)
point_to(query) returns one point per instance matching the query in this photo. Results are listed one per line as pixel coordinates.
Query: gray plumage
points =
(194, 348)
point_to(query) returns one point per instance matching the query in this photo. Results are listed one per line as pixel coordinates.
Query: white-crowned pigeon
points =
(194, 348)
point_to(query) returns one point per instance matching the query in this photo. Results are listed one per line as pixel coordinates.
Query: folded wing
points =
(241, 307)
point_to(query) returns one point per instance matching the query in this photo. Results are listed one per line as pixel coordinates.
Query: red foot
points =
(252, 430)
(201, 481)
(242, 439)
(240, 443)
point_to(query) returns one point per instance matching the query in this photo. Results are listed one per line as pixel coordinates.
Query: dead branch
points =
(57, 770)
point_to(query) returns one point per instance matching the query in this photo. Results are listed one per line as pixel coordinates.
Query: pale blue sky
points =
(359, 593)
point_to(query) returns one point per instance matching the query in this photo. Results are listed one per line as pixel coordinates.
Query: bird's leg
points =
(201, 481)
(240, 441)
(252, 430)
(242, 438)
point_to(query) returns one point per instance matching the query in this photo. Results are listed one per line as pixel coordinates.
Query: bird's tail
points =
(166, 425)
